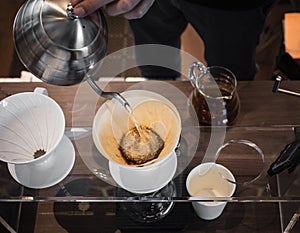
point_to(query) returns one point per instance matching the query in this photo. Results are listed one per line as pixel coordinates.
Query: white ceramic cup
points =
(109, 126)
(209, 180)
(29, 122)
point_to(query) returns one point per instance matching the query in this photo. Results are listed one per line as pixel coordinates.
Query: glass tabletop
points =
(90, 178)
(79, 172)
(82, 176)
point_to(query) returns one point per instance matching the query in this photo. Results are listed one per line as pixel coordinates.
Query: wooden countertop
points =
(259, 105)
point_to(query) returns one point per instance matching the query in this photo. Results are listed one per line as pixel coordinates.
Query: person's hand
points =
(130, 9)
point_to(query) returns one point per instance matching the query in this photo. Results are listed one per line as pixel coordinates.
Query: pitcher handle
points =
(41, 90)
(196, 70)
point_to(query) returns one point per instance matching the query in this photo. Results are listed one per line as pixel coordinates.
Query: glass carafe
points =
(214, 97)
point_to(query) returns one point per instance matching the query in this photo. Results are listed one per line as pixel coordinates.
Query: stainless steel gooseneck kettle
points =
(58, 47)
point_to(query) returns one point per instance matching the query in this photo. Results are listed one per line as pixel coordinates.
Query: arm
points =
(130, 9)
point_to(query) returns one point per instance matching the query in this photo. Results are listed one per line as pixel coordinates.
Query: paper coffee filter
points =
(150, 110)
(106, 142)
(28, 123)
(161, 118)
(149, 113)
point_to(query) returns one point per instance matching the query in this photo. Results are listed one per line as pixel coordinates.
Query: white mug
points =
(209, 180)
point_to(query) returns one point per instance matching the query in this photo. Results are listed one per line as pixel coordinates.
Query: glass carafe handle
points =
(196, 70)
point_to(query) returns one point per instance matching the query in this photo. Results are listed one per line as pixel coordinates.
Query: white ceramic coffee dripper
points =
(110, 123)
(32, 122)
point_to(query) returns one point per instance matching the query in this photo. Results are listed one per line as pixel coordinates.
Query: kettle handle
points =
(196, 70)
